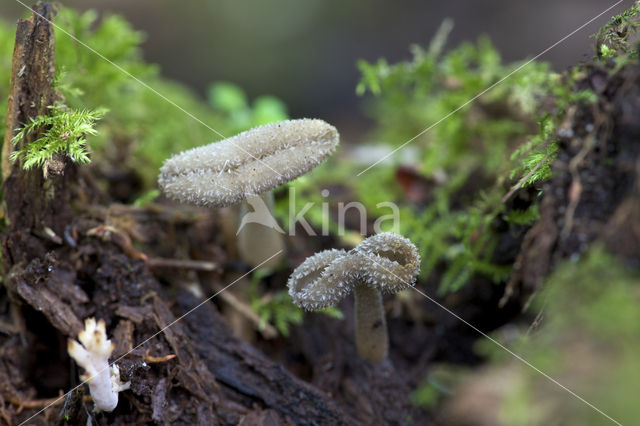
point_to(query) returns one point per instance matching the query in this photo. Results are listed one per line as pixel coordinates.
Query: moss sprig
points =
(617, 36)
(65, 131)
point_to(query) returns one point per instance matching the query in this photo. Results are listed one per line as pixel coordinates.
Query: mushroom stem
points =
(259, 235)
(372, 341)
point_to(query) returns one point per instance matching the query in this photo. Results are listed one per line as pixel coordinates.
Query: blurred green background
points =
(305, 52)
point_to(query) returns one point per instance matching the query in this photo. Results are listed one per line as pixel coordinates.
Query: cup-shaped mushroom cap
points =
(226, 172)
(386, 262)
(394, 262)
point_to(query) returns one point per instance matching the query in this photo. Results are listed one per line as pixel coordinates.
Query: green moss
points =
(466, 154)
(524, 217)
(307, 194)
(64, 132)
(465, 158)
(278, 309)
(7, 35)
(233, 103)
(146, 198)
(143, 128)
(617, 37)
(588, 340)
(488, 144)
(604, 304)
(532, 159)
(439, 383)
(474, 154)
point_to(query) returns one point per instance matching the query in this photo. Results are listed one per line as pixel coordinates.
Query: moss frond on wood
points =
(64, 131)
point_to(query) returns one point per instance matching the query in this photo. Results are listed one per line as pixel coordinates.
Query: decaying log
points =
(247, 375)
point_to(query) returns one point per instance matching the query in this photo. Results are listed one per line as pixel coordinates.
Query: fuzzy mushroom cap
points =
(320, 281)
(386, 262)
(226, 172)
(395, 260)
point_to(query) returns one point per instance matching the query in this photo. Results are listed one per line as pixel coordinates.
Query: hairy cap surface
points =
(226, 172)
(385, 262)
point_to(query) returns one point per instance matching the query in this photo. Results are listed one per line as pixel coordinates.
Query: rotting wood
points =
(246, 374)
(32, 74)
(34, 203)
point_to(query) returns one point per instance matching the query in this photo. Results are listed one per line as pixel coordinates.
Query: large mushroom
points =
(383, 263)
(246, 167)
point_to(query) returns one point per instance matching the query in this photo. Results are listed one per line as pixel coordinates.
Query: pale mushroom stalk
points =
(372, 341)
(259, 236)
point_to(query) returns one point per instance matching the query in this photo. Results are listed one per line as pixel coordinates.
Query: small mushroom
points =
(383, 263)
(248, 165)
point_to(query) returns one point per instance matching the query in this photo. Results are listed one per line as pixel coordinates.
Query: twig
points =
(37, 403)
(198, 265)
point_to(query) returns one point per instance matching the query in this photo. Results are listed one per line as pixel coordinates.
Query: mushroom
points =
(245, 166)
(383, 263)
(92, 354)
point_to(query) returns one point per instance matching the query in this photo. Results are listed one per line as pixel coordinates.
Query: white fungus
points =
(92, 354)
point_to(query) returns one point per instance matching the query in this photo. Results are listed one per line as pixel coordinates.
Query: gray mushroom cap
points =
(386, 262)
(253, 162)
(320, 282)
